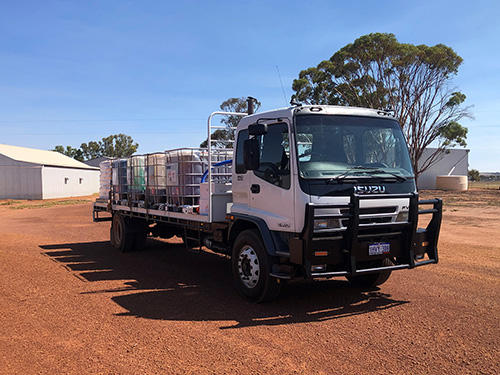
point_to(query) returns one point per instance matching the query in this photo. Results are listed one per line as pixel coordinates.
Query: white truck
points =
(309, 191)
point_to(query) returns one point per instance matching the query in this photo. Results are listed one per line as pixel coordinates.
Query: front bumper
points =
(346, 252)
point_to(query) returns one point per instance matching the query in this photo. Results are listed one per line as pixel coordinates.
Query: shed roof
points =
(42, 157)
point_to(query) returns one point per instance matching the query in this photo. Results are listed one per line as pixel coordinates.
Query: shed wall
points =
(19, 180)
(68, 182)
(427, 180)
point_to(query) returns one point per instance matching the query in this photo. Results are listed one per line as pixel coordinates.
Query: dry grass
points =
(49, 204)
(495, 185)
(470, 198)
(34, 204)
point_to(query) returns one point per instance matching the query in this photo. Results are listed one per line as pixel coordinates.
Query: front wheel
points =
(252, 267)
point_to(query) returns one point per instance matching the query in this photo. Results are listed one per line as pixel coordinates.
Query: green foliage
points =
(474, 175)
(453, 134)
(218, 135)
(74, 153)
(377, 71)
(115, 146)
(237, 105)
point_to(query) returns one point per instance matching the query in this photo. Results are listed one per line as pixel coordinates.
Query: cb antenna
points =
(281, 82)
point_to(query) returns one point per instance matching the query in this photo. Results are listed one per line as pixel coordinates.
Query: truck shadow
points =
(167, 282)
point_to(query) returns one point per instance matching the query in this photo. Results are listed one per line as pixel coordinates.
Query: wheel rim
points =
(249, 267)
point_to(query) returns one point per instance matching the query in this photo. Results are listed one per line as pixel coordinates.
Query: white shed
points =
(27, 173)
(455, 163)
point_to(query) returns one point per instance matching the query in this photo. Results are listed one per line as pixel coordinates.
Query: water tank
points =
(451, 182)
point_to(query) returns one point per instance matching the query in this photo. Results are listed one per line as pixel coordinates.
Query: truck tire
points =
(252, 266)
(111, 237)
(372, 279)
(121, 237)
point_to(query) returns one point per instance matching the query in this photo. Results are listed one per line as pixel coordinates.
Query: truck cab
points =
(330, 191)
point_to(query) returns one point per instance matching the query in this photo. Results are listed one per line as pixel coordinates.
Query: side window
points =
(274, 156)
(240, 166)
(304, 146)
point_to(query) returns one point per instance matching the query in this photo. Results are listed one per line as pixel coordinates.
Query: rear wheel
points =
(122, 238)
(372, 279)
(251, 268)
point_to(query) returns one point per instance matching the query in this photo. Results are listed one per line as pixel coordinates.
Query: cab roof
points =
(314, 110)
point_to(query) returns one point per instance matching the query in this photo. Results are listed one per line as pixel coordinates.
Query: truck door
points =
(271, 195)
(241, 178)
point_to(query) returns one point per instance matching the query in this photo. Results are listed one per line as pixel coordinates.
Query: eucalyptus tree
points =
(377, 71)
(114, 146)
(238, 105)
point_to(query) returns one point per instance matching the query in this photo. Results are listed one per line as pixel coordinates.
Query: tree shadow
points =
(167, 282)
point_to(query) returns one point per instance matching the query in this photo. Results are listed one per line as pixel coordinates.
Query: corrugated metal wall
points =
(19, 180)
(67, 182)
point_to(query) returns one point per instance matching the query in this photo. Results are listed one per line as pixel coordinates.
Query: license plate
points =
(379, 249)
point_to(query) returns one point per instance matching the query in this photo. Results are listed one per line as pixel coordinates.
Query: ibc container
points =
(221, 174)
(156, 179)
(136, 177)
(104, 179)
(119, 176)
(185, 169)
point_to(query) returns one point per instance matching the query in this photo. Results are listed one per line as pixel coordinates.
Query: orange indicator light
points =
(321, 253)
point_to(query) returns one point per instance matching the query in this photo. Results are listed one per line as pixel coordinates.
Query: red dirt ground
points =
(70, 303)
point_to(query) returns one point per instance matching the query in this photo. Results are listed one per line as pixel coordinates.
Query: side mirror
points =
(251, 154)
(257, 129)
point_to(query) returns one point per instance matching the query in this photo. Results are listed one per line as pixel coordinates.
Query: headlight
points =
(326, 224)
(402, 217)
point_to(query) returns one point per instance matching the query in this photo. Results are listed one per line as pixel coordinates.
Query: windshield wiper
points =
(381, 171)
(341, 176)
(367, 170)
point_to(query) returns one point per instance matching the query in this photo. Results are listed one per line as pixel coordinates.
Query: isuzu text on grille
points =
(373, 189)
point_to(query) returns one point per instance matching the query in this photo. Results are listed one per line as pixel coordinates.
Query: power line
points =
(91, 133)
(108, 120)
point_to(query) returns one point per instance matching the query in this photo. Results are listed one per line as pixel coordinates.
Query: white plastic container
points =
(104, 179)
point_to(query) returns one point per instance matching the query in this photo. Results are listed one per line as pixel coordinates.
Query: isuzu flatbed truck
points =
(309, 191)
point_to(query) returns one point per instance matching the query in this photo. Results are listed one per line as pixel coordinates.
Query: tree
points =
(74, 153)
(238, 105)
(114, 146)
(92, 150)
(377, 71)
(474, 175)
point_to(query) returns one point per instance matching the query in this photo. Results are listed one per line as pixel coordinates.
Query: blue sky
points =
(76, 71)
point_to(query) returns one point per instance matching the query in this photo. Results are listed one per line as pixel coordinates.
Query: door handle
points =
(255, 188)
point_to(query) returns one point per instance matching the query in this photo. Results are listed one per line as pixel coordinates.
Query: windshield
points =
(342, 147)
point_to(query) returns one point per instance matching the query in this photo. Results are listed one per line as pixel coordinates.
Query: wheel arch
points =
(241, 224)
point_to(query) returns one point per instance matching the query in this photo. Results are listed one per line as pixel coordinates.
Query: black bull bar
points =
(345, 252)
